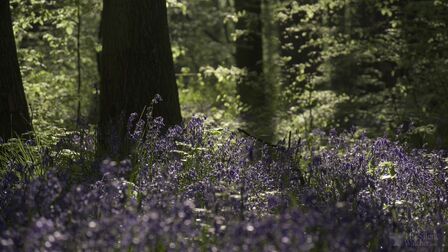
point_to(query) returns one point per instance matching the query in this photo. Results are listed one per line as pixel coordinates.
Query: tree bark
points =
(249, 56)
(249, 46)
(14, 115)
(136, 64)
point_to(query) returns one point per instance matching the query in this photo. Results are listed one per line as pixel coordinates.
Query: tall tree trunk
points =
(136, 64)
(14, 114)
(249, 46)
(249, 56)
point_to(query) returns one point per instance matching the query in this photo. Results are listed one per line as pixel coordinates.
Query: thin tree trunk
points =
(14, 114)
(136, 64)
(78, 61)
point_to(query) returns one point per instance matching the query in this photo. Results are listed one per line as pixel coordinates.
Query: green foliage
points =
(46, 35)
(70, 151)
(211, 92)
(203, 55)
(200, 33)
(387, 57)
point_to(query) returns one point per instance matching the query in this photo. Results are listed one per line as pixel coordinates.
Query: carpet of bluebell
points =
(201, 188)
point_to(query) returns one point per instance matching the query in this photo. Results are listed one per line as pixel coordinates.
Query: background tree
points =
(136, 65)
(14, 114)
(252, 88)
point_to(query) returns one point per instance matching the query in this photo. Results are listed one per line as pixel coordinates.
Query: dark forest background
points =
(269, 67)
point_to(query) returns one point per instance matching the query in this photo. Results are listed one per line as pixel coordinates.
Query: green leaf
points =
(69, 30)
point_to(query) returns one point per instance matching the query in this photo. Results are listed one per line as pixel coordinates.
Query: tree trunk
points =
(249, 46)
(249, 56)
(14, 114)
(136, 64)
